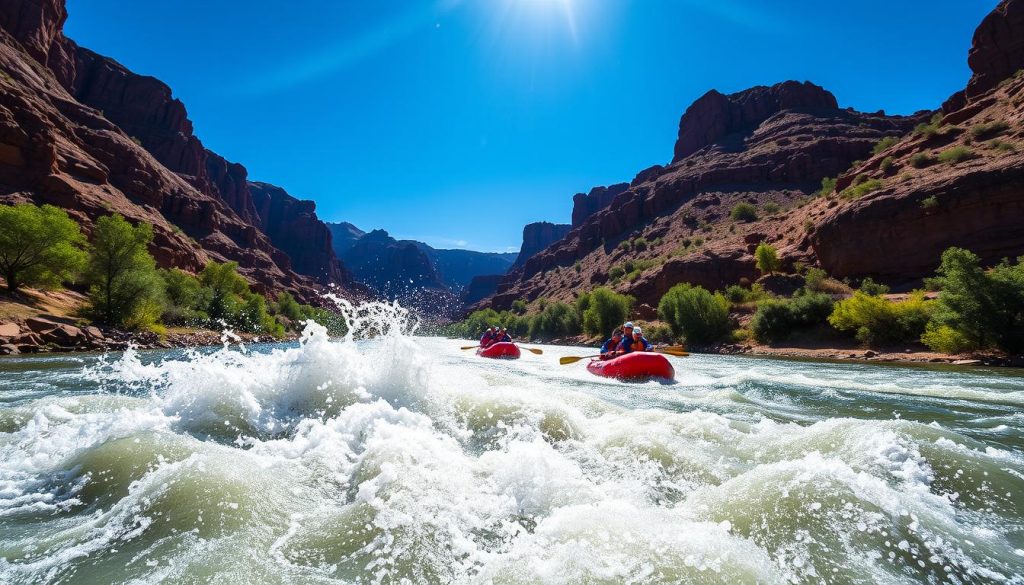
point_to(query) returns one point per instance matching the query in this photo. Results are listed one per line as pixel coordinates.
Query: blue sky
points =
(457, 122)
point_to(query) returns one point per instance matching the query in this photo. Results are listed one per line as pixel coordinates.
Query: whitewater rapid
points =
(404, 459)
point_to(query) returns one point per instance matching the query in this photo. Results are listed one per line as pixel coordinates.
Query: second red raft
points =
(634, 366)
(503, 350)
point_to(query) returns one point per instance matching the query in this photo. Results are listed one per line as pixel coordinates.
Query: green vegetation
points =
(124, 287)
(39, 246)
(887, 164)
(1002, 146)
(874, 320)
(695, 314)
(828, 186)
(817, 280)
(744, 211)
(738, 295)
(869, 287)
(986, 131)
(767, 258)
(519, 307)
(861, 188)
(929, 202)
(977, 309)
(602, 309)
(930, 129)
(770, 208)
(884, 144)
(921, 160)
(776, 320)
(557, 320)
(956, 155)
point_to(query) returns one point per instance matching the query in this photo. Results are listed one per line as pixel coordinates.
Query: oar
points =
(673, 350)
(529, 349)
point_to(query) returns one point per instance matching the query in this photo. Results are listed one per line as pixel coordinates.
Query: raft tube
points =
(501, 351)
(634, 366)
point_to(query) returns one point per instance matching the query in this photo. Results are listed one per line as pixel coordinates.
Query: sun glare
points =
(551, 8)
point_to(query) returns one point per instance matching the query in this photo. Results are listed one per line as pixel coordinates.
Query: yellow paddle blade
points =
(534, 351)
(676, 351)
(573, 359)
(470, 347)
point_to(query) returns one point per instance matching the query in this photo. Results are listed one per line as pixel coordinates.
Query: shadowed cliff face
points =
(82, 132)
(537, 237)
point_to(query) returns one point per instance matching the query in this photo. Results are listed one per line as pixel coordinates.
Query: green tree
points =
(695, 314)
(557, 320)
(288, 307)
(39, 246)
(602, 310)
(125, 288)
(874, 320)
(767, 258)
(776, 320)
(225, 287)
(978, 309)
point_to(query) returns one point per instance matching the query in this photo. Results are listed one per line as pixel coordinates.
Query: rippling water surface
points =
(406, 459)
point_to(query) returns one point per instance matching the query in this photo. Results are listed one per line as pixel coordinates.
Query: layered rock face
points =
(925, 204)
(537, 237)
(769, 146)
(586, 204)
(891, 216)
(80, 131)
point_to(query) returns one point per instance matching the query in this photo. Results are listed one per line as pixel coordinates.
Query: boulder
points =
(9, 349)
(9, 330)
(66, 336)
(40, 325)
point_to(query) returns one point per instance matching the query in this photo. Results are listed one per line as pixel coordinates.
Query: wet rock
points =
(869, 354)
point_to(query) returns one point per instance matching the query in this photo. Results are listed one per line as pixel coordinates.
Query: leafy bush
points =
(640, 244)
(985, 131)
(956, 154)
(737, 294)
(874, 320)
(767, 258)
(921, 160)
(602, 310)
(861, 189)
(616, 272)
(557, 320)
(828, 185)
(887, 164)
(39, 246)
(770, 208)
(185, 299)
(870, 287)
(929, 202)
(884, 144)
(1003, 146)
(983, 309)
(744, 212)
(288, 307)
(519, 307)
(225, 287)
(775, 320)
(124, 287)
(930, 129)
(695, 314)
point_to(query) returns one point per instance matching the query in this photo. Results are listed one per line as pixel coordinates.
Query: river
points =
(405, 458)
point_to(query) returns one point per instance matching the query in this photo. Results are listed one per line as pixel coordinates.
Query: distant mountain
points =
(400, 268)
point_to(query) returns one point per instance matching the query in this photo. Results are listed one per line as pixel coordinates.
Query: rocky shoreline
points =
(50, 334)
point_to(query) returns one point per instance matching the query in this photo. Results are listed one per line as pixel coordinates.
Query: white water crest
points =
(388, 458)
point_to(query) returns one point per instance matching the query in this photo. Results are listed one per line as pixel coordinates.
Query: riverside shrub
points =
(767, 258)
(744, 212)
(977, 309)
(776, 320)
(39, 246)
(602, 310)
(695, 314)
(557, 320)
(124, 286)
(874, 320)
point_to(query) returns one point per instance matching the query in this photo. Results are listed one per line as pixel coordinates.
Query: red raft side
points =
(501, 351)
(634, 366)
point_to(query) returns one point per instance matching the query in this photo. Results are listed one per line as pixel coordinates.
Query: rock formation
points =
(537, 237)
(80, 131)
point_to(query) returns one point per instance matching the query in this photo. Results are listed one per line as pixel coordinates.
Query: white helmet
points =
(638, 331)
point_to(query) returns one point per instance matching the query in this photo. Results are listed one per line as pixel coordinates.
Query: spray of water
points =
(385, 458)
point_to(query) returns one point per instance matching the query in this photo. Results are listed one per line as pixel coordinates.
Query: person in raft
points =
(611, 347)
(502, 336)
(636, 342)
(488, 337)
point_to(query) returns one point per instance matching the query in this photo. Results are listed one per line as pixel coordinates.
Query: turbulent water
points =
(404, 459)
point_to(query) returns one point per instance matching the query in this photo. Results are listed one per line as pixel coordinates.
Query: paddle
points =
(529, 349)
(673, 350)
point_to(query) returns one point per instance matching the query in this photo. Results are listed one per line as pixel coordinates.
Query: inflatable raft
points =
(634, 366)
(502, 351)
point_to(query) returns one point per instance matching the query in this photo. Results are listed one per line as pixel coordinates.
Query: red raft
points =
(502, 351)
(634, 366)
